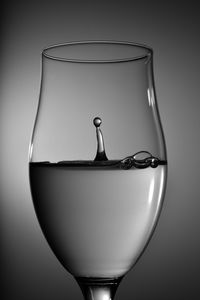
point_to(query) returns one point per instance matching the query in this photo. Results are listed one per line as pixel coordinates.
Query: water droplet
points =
(126, 163)
(97, 122)
(142, 156)
(101, 154)
(140, 160)
(154, 162)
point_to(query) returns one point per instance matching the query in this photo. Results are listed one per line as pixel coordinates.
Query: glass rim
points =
(148, 51)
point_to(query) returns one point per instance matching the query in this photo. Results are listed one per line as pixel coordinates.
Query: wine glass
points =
(98, 162)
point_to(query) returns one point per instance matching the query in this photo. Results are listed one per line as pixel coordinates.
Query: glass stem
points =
(98, 289)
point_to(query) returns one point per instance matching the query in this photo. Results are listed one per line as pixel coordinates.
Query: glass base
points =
(98, 288)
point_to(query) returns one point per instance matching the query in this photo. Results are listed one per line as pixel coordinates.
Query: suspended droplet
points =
(97, 122)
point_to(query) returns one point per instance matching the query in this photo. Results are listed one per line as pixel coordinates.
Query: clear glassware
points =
(98, 164)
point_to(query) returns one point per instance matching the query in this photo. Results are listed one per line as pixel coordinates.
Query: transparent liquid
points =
(97, 219)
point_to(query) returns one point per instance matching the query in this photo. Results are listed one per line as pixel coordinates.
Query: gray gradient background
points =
(170, 267)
